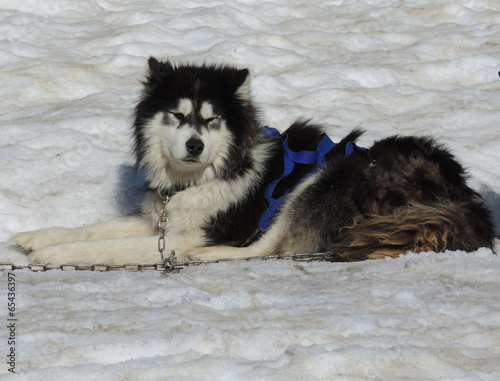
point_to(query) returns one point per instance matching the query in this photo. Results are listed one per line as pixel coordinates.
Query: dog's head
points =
(191, 118)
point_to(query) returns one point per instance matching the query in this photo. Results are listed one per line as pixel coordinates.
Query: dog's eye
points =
(209, 120)
(178, 116)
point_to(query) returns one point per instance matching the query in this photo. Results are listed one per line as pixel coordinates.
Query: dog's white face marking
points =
(206, 111)
(185, 107)
(189, 138)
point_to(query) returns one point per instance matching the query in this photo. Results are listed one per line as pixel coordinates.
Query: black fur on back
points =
(302, 136)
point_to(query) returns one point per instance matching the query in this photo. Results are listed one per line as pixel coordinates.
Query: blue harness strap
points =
(290, 158)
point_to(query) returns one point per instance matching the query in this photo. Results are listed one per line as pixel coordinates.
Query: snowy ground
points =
(69, 79)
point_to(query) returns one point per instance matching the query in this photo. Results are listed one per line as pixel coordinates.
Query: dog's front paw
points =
(36, 239)
(49, 255)
(197, 254)
(190, 258)
(76, 253)
(214, 253)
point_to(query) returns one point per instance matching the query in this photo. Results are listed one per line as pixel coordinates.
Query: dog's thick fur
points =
(198, 138)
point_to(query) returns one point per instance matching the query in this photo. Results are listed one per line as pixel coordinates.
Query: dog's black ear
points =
(158, 71)
(242, 84)
(153, 63)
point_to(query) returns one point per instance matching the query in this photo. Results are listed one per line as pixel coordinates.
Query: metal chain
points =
(168, 266)
(162, 225)
(170, 262)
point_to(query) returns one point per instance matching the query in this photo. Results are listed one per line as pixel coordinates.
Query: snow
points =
(70, 76)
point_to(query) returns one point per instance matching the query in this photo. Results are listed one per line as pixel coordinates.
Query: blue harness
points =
(290, 158)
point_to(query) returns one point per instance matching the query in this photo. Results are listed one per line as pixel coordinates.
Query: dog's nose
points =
(194, 146)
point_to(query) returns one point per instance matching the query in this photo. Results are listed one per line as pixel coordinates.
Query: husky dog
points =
(209, 165)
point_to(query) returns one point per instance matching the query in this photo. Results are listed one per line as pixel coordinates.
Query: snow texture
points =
(70, 76)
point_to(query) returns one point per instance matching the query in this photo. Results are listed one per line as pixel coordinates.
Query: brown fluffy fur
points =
(414, 228)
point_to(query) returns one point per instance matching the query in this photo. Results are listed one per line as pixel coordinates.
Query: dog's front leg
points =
(113, 251)
(117, 251)
(126, 227)
(277, 240)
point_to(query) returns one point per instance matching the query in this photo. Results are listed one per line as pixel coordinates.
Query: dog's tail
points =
(416, 228)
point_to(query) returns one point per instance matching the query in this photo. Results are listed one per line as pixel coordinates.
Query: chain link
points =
(169, 266)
